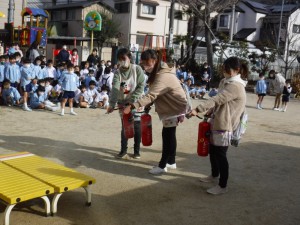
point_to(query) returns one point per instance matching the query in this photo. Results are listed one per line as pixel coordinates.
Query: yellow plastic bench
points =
(59, 177)
(16, 187)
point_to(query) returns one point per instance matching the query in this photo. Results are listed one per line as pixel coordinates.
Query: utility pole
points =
(280, 23)
(171, 24)
(11, 10)
(232, 22)
(24, 4)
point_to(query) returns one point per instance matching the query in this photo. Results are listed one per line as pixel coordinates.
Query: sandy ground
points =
(264, 183)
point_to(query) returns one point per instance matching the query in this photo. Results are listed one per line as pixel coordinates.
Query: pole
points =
(171, 24)
(232, 22)
(92, 41)
(279, 31)
(11, 9)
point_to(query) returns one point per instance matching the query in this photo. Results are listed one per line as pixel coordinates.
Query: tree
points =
(110, 30)
(202, 10)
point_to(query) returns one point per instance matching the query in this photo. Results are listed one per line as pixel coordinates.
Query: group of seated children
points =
(198, 90)
(45, 88)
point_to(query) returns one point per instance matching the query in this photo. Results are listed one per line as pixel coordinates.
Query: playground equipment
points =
(160, 39)
(34, 27)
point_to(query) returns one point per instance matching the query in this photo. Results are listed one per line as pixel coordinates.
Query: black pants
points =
(169, 146)
(137, 138)
(219, 163)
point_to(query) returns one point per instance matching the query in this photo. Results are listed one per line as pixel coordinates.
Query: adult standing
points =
(276, 84)
(1, 49)
(128, 86)
(32, 52)
(93, 58)
(63, 55)
(225, 110)
(166, 92)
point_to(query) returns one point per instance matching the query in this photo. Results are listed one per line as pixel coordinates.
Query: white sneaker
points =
(208, 179)
(217, 190)
(281, 110)
(276, 109)
(73, 113)
(171, 166)
(258, 107)
(27, 109)
(62, 114)
(157, 170)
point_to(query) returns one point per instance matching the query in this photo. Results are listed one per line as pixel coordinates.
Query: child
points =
(190, 76)
(74, 57)
(261, 90)
(37, 67)
(213, 92)
(48, 87)
(93, 93)
(102, 98)
(2, 67)
(83, 99)
(26, 76)
(69, 83)
(51, 70)
(55, 93)
(12, 72)
(10, 95)
(43, 73)
(106, 79)
(286, 96)
(85, 71)
(38, 100)
(89, 78)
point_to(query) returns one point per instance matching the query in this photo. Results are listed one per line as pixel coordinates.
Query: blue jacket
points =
(261, 87)
(2, 67)
(26, 75)
(43, 73)
(35, 99)
(12, 92)
(36, 70)
(88, 79)
(13, 73)
(69, 81)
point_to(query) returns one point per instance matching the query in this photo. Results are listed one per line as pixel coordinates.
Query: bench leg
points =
(88, 196)
(47, 205)
(54, 203)
(7, 214)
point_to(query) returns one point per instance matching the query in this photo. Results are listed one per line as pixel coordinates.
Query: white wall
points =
(294, 37)
(132, 24)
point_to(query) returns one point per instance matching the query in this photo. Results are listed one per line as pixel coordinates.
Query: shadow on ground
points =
(263, 188)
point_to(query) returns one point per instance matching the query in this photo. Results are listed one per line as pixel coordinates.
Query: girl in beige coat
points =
(225, 109)
(166, 92)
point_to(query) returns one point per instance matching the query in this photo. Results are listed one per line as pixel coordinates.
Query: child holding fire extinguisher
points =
(225, 110)
(166, 92)
(128, 86)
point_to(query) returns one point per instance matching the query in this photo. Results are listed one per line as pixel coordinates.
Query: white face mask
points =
(124, 64)
(109, 64)
(26, 65)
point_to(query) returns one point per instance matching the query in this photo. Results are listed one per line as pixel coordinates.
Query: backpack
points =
(188, 98)
(240, 130)
(104, 84)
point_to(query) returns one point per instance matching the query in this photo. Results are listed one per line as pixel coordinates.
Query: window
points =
(56, 15)
(178, 15)
(224, 21)
(71, 14)
(122, 7)
(149, 9)
(296, 29)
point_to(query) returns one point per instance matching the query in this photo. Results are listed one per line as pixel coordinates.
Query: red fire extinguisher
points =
(203, 138)
(128, 125)
(146, 127)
